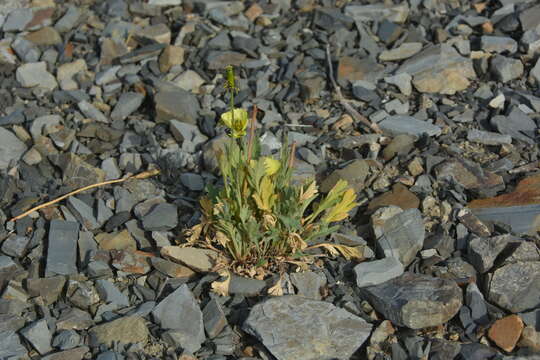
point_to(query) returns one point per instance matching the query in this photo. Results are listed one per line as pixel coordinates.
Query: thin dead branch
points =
(143, 175)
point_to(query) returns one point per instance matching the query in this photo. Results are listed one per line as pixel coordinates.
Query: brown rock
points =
(527, 192)
(355, 174)
(134, 262)
(71, 354)
(398, 196)
(171, 55)
(45, 36)
(253, 12)
(116, 241)
(352, 69)
(202, 260)
(530, 338)
(506, 332)
(171, 269)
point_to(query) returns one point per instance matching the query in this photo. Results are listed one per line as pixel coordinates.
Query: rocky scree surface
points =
(449, 188)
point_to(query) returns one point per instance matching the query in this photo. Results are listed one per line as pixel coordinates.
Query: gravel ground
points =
(428, 108)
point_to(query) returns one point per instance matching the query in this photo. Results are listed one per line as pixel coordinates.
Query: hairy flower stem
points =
(252, 133)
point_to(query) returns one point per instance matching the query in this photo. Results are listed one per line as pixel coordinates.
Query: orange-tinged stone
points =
(506, 332)
(398, 196)
(527, 192)
(253, 12)
(487, 27)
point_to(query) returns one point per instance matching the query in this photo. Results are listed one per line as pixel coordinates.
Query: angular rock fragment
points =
(62, 248)
(415, 301)
(202, 260)
(178, 104)
(520, 208)
(36, 74)
(126, 330)
(469, 175)
(161, 217)
(403, 124)
(11, 148)
(361, 13)
(439, 69)
(39, 335)
(327, 332)
(402, 236)
(180, 312)
(376, 272)
(516, 287)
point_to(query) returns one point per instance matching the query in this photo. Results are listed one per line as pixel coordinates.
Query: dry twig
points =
(143, 175)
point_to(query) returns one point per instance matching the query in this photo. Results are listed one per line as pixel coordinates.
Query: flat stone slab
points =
(403, 124)
(415, 301)
(376, 272)
(62, 250)
(180, 311)
(293, 327)
(516, 287)
(126, 330)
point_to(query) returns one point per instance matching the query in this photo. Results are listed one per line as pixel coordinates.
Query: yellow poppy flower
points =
(236, 120)
(271, 165)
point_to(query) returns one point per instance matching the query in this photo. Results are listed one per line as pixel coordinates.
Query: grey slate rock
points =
(39, 335)
(506, 69)
(482, 252)
(110, 355)
(488, 137)
(162, 217)
(517, 124)
(516, 287)
(188, 134)
(62, 248)
(36, 75)
(92, 112)
(11, 148)
(18, 19)
(414, 300)
(127, 104)
(83, 213)
(15, 245)
(192, 181)
(26, 50)
(214, 318)
(69, 20)
(402, 124)
(176, 104)
(108, 75)
(10, 346)
(498, 44)
(531, 318)
(109, 293)
(239, 285)
(293, 327)
(402, 236)
(10, 322)
(66, 339)
(474, 299)
(378, 271)
(179, 311)
(309, 284)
